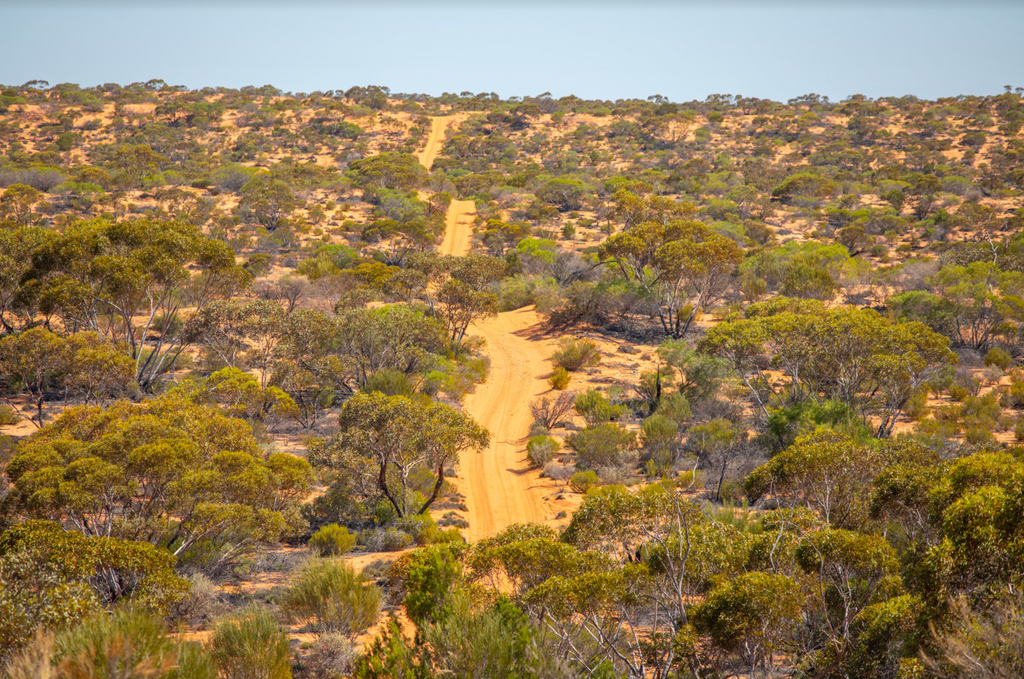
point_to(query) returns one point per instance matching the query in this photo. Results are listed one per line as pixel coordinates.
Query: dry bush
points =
(331, 655)
(550, 411)
(557, 472)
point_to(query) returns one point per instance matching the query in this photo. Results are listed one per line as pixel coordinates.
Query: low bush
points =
(602, 445)
(251, 645)
(574, 354)
(330, 657)
(203, 604)
(8, 416)
(331, 596)
(332, 540)
(386, 540)
(540, 450)
(557, 472)
(595, 408)
(550, 412)
(999, 358)
(560, 379)
(421, 528)
(917, 408)
(389, 382)
(583, 481)
(117, 644)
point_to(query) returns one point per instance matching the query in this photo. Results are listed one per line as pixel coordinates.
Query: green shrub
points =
(917, 408)
(332, 540)
(675, 407)
(602, 445)
(958, 392)
(574, 354)
(431, 578)
(333, 598)
(560, 379)
(9, 415)
(976, 435)
(1018, 429)
(583, 481)
(389, 382)
(755, 610)
(420, 527)
(595, 408)
(1000, 358)
(251, 645)
(732, 491)
(690, 478)
(540, 450)
(205, 601)
(116, 644)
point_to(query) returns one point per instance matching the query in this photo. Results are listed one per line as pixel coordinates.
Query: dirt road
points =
(435, 140)
(500, 488)
(458, 231)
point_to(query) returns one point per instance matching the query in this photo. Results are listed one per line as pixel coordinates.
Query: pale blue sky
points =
(607, 50)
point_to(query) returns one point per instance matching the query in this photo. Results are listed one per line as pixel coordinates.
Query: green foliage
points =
(487, 641)
(681, 265)
(430, 583)
(521, 290)
(583, 481)
(560, 379)
(999, 358)
(574, 354)
(565, 194)
(45, 365)
(121, 471)
(699, 374)
(128, 643)
(806, 417)
(52, 578)
(386, 171)
(135, 272)
(251, 645)
(752, 614)
(826, 472)
(595, 408)
(332, 540)
(803, 184)
(866, 354)
(675, 407)
(389, 382)
(267, 201)
(330, 596)
(602, 445)
(980, 642)
(396, 435)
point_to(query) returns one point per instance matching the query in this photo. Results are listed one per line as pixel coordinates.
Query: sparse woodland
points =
(779, 432)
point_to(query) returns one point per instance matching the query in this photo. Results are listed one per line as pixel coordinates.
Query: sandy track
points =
(458, 232)
(500, 488)
(435, 140)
